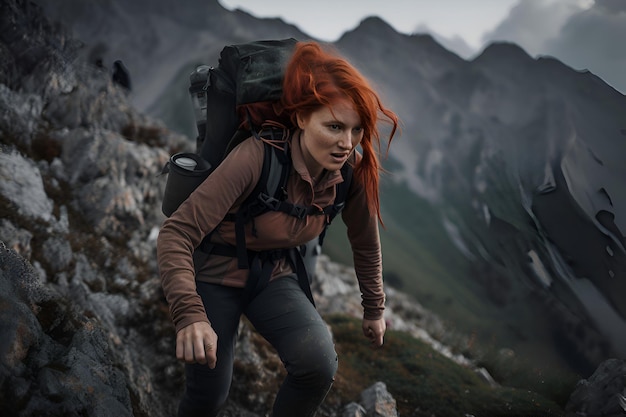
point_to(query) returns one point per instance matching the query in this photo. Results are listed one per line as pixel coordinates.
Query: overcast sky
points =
(584, 34)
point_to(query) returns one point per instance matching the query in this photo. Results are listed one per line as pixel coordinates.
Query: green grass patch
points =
(424, 382)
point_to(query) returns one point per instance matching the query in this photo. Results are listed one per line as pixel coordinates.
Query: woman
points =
(332, 109)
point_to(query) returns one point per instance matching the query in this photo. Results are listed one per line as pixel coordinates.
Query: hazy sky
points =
(584, 34)
(328, 19)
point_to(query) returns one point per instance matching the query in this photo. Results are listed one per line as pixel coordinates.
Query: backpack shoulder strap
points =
(341, 195)
(271, 186)
(342, 188)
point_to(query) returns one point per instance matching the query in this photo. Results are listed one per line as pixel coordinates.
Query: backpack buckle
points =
(271, 202)
(298, 212)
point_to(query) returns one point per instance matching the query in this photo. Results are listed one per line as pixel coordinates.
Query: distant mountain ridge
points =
(511, 165)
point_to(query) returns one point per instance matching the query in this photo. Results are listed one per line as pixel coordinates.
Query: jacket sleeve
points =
(231, 182)
(363, 234)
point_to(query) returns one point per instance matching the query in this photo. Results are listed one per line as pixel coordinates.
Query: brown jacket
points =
(223, 192)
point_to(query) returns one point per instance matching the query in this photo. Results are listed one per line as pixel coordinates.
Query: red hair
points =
(315, 77)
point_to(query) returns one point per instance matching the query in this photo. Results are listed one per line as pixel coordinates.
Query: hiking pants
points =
(284, 316)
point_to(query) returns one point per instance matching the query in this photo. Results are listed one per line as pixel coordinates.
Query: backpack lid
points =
(254, 67)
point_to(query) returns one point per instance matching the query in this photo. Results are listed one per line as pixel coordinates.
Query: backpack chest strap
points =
(270, 203)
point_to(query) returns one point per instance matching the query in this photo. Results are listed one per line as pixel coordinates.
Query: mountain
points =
(504, 205)
(520, 157)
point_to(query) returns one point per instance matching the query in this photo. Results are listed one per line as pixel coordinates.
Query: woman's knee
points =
(316, 364)
(326, 369)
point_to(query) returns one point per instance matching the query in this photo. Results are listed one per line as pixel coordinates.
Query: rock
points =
(378, 402)
(57, 253)
(603, 394)
(16, 238)
(22, 185)
(354, 410)
(53, 362)
(375, 401)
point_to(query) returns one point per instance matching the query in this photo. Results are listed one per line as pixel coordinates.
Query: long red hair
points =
(316, 77)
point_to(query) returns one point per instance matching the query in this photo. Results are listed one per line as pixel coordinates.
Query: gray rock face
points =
(54, 362)
(22, 185)
(602, 394)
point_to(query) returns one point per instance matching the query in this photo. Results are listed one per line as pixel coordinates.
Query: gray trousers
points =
(284, 316)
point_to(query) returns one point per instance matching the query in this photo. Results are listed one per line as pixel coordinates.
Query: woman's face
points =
(329, 135)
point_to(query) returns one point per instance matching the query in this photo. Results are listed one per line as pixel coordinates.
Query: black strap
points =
(297, 264)
(261, 264)
(341, 195)
(268, 203)
(272, 156)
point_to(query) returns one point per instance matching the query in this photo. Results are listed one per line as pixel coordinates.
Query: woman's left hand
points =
(374, 330)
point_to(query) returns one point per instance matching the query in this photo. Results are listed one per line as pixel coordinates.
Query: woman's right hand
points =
(197, 343)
